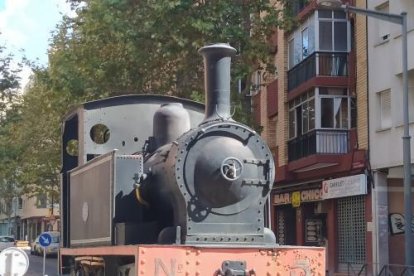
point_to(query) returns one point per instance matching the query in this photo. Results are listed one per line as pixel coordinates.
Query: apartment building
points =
(385, 93)
(29, 217)
(314, 117)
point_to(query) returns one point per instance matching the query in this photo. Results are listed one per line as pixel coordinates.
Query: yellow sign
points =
(296, 199)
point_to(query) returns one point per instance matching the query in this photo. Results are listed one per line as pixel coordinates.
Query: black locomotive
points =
(159, 169)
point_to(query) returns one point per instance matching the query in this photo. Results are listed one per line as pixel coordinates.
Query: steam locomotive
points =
(159, 185)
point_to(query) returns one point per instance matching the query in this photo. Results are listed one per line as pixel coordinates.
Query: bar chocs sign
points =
(332, 188)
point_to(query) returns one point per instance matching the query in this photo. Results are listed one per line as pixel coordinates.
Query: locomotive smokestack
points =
(217, 60)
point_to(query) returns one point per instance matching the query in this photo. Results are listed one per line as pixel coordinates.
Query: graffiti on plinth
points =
(397, 223)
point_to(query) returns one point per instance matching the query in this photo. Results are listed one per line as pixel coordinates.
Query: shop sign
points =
(296, 199)
(281, 199)
(344, 186)
(301, 196)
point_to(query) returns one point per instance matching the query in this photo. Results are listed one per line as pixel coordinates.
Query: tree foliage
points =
(9, 84)
(9, 79)
(116, 47)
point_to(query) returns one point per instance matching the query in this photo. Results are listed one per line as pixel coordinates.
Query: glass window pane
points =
(344, 113)
(325, 14)
(323, 91)
(341, 37)
(337, 112)
(325, 36)
(333, 91)
(305, 117)
(353, 112)
(305, 43)
(339, 14)
(327, 113)
(303, 97)
(292, 124)
(311, 114)
(291, 54)
(311, 93)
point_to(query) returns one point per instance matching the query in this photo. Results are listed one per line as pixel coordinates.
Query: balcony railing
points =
(332, 64)
(318, 142)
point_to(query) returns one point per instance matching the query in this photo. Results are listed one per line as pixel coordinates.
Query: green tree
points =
(9, 80)
(9, 85)
(114, 47)
(38, 135)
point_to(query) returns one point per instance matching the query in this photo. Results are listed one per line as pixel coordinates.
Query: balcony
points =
(330, 64)
(319, 142)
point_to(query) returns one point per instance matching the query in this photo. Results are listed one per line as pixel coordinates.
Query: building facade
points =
(314, 116)
(385, 88)
(29, 217)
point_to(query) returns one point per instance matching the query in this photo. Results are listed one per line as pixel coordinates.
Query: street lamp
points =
(402, 20)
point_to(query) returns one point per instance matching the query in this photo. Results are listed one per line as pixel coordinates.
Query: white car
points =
(51, 250)
(6, 242)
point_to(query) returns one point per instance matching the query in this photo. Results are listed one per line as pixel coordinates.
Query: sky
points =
(26, 26)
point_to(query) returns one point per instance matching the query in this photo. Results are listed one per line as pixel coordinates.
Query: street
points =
(36, 266)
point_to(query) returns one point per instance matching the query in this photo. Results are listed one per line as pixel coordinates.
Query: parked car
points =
(51, 250)
(6, 242)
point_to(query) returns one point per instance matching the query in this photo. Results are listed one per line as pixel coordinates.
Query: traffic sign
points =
(45, 239)
(13, 261)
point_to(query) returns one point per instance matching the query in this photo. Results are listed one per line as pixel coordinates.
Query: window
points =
(333, 31)
(302, 114)
(335, 106)
(41, 201)
(336, 110)
(384, 101)
(305, 43)
(20, 203)
(301, 43)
